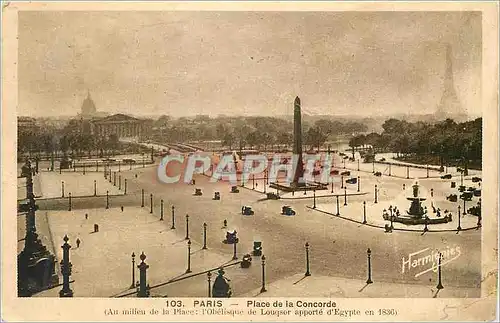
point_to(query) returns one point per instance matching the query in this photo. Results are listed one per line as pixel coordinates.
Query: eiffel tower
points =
(449, 106)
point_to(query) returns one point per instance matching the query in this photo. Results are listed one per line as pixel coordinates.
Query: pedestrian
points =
(135, 175)
(122, 208)
(86, 216)
(225, 223)
(78, 242)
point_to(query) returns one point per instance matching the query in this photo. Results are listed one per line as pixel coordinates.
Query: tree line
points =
(446, 142)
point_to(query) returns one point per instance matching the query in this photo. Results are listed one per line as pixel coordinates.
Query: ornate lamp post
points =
(142, 197)
(95, 188)
(364, 212)
(133, 271)
(369, 254)
(376, 191)
(120, 182)
(62, 188)
(390, 210)
(204, 236)
(161, 210)
(459, 227)
(66, 269)
(235, 257)
(359, 184)
(125, 188)
(338, 207)
(173, 218)
(439, 285)
(314, 199)
(151, 203)
(308, 273)
(107, 199)
(263, 288)
(345, 196)
(69, 201)
(209, 278)
(187, 227)
(188, 270)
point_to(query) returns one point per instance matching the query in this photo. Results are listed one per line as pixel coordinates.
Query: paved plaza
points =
(102, 264)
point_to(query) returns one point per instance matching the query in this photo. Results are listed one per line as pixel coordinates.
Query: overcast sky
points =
(187, 63)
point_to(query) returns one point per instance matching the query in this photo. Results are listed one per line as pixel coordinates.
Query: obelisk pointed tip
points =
(297, 100)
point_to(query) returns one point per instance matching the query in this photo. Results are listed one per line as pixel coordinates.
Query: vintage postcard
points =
(249, 161)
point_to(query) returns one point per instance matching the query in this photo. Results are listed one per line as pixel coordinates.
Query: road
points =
(337, 247)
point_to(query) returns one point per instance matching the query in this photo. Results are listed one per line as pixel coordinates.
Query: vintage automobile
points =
(198, 192)
(66, 163)
(217, 196)
(346, 173)
(247, 210)
(352, 180)
(234, 189)
(453, 184)
(477, 193)
(129, 161)
(461, 188)
(475, 210)
(231, 237)
(446, 176)
(257, 248)
(471, 189)
(466, 196)
(452, 198)
(272, 196)
(377, 174)
(247, 261)
(287, 210)
(476, 179)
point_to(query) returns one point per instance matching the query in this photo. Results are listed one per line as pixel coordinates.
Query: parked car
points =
(129, 161)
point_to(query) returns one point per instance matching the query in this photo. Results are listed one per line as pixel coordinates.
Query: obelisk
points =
(297, 143)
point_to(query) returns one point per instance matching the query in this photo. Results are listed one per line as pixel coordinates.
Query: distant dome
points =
(88, 106)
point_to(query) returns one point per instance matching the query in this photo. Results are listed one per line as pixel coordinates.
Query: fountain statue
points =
(416, 210)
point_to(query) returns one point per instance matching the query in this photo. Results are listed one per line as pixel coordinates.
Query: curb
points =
(395, 229)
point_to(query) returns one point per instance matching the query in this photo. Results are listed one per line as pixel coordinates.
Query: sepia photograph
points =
(260, 155)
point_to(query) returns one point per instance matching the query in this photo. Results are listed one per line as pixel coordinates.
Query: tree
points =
(315, 138)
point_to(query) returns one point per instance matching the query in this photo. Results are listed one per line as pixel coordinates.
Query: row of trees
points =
(70, 139)
(448, 140)
(250, 132)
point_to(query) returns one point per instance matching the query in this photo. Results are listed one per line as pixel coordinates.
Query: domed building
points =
(88, 107)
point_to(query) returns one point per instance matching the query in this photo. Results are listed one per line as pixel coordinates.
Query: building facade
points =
(121, 125)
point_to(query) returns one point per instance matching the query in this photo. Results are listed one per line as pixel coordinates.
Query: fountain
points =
(416, 214)
(416, 210)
